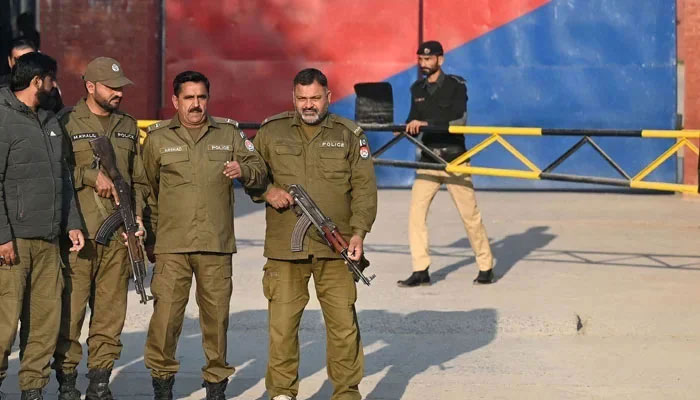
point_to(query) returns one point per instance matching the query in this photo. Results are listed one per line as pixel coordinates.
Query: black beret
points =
(430, 48)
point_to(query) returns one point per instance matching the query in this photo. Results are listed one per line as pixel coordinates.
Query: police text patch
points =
(221, 147)
(82, 136)
(332, 144)
(172, 149)
(126, 135)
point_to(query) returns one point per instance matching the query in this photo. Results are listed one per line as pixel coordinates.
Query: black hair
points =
(310, 75)
(189, 76)
(30, 65)
(21, 43)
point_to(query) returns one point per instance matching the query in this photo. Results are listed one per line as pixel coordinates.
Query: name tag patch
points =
(172, 149)
(83, 136)
(125, 135)
(221, 147)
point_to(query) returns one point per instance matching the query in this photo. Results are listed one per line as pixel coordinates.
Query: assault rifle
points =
(104, 152)
(309, 213)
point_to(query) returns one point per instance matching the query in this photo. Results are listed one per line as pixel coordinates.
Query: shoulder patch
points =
(158, 125)
(458, 79)
(283, 115)
(229, 121)
(64, 111)
(351, 125)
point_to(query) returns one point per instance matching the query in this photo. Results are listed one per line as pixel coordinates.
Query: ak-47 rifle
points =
(309, 213)
(104, 152)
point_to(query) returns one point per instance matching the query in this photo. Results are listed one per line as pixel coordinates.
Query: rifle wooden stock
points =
(103, 150)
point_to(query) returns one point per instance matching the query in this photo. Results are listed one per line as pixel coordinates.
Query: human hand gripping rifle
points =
(309, 213)
(104, 152)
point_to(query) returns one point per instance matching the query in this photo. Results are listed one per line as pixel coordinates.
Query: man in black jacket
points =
(441, 100)
(19, 47)
(35, 189)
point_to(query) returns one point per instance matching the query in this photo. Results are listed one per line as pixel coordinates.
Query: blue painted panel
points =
(569, 64)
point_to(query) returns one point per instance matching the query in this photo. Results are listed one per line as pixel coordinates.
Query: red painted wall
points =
(689, 53)
(251, 50)
(74, 32)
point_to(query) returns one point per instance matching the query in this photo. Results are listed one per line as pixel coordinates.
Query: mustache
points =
(195, 109)
(310, 109)
(119, 98)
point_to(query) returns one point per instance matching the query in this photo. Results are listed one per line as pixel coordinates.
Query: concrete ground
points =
(598, 297)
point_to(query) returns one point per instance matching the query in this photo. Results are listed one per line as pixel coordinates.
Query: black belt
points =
(446, 153)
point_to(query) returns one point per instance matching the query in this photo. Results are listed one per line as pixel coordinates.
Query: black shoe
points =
(163, 388)
(215, 391)
(417, 278)
(66, 385)
(32, 394)
(484, 277)
(98, 389)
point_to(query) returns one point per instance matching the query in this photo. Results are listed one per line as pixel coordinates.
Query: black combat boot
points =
(417, 278)
(66, 385)
(484, 277)
(163, 388)
(215, 391)
(98, 389)
(32, 394)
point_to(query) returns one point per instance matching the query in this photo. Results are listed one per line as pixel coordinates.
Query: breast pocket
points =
(82, 153)
(125, 150)
(217, 161)
(334, 164)
(287, 160)
(175, 169)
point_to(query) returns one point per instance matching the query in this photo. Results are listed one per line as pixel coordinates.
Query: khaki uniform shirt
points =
(335, 168)
(191, 202)
(81, 126)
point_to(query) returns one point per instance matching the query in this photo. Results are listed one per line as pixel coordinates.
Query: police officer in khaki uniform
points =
(329, 156)
(190, 162)
(35, 195)
(98, 275)
(441, 99)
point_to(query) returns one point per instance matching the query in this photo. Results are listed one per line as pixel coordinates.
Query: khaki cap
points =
(107, 71)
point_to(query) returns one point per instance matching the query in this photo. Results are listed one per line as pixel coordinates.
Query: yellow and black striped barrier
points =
(497, 135)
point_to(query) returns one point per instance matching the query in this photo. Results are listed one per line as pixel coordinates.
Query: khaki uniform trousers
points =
(30, 294)
(461, 190)
(172, 279)
(99, 276)
(285, 285)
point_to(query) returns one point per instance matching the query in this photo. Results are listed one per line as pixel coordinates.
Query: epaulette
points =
(64, 111)
(286, 114)
(350, 124)
(125, 115)
(222, 120)
(158, 125)
(458, 79)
